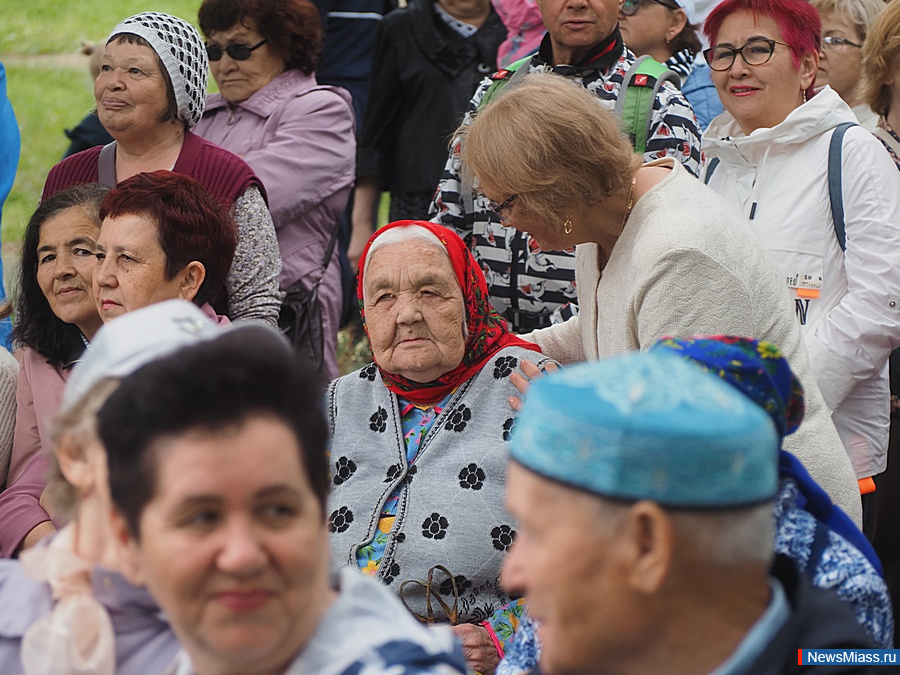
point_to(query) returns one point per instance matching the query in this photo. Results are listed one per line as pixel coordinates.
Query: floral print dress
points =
(416, 421)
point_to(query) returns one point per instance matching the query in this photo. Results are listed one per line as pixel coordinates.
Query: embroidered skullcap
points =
(756, 368)
(183, 55)
(134, 339)
(648, 426)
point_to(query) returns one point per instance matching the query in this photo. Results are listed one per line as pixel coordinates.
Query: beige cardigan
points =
(687, 264)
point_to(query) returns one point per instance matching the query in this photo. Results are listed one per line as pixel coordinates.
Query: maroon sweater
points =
(225, 175)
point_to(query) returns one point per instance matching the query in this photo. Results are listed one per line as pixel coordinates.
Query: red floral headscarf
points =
(487, 329)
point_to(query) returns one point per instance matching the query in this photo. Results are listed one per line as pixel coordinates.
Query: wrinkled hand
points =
(478, 649)
(523, 382)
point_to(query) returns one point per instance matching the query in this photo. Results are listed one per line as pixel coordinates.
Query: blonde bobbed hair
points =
(77, 424)
(549, 141)
(858, 13)
(881, 57)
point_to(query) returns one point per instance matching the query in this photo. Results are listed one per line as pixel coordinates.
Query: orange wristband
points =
(866, 485)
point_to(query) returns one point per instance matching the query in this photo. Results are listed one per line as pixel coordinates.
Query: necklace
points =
(629, 204)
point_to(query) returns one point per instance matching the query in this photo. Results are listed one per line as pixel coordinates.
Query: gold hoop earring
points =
(567, 226)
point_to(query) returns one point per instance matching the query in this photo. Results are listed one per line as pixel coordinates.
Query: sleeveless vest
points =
(224, 175)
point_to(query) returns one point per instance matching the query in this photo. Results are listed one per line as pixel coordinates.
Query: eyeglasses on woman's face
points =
(631, 7)
(238, 52)
(755, 53)
(833, 42)
(501, 208)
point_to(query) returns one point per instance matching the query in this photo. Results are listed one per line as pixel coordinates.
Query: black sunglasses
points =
(631, 7)
(238, 51)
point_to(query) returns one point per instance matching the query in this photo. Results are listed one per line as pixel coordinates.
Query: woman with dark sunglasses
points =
(150, 94)
(666, 30)
(296, 134)
(827, 205)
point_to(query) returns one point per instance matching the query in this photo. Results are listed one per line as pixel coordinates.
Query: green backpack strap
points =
(637, 95)
(503, 77)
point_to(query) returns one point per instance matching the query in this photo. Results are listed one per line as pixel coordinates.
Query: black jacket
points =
(423, 76)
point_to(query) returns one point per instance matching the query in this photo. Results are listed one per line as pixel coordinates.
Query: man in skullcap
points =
(643, 489)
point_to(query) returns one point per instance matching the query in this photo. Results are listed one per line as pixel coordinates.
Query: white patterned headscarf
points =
(183, 55)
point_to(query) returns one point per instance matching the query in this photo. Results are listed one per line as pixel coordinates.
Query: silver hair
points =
(732, 536)
(723, 537)
(402, 234)
(77, 424)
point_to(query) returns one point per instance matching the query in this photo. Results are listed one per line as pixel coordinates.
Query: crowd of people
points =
(629, 405)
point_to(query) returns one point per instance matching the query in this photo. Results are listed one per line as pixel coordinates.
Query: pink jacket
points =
(298, 137)
(38, 397)
(522, 19)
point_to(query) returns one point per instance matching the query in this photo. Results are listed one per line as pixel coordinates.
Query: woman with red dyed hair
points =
(162, 237)
(773, 154)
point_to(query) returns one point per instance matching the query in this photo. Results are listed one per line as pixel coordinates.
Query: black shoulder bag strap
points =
(835, 192)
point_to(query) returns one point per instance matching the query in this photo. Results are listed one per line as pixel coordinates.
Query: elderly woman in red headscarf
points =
(419, 436)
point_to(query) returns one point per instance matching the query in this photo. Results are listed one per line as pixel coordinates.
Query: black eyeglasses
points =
(631, 7)
(238, 51)
(831, 41)
(755, 53)
(500, 208)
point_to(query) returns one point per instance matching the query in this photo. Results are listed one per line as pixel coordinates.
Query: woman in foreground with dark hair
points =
(220, 481)
(55, 318)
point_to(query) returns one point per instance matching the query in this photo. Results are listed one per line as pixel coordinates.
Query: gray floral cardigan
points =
(451, 510)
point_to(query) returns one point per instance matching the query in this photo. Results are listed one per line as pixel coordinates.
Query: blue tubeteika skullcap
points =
(648, 426)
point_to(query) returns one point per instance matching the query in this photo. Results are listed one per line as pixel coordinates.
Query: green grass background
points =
(59, 26)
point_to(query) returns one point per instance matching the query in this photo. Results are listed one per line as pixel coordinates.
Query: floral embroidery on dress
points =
(841, 567)
(523, 650)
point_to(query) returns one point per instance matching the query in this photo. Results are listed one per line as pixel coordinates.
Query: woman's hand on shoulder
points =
(522, 381)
